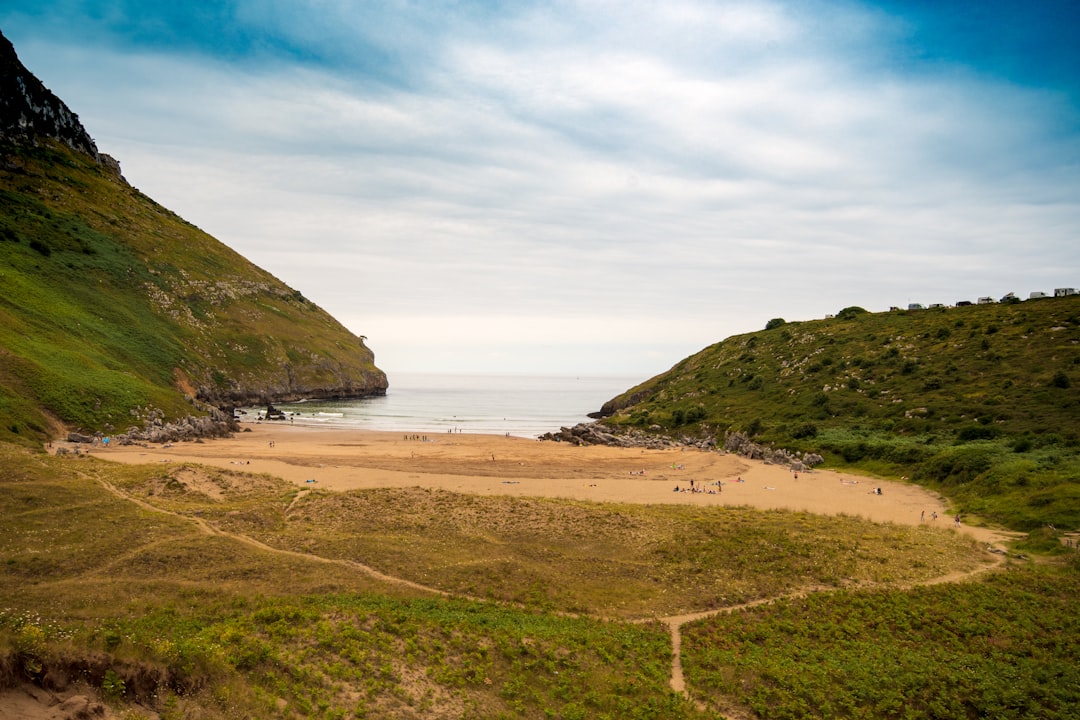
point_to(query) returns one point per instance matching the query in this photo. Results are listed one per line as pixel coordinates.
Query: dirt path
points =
(496, 465)
(675, 622)
(208, 529)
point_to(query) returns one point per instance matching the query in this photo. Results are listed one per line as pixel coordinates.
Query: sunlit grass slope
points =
(205, 592)
(1003, 647)
(109, 302)
(982, 402)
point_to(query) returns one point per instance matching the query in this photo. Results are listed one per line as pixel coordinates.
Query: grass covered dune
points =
(179, 590)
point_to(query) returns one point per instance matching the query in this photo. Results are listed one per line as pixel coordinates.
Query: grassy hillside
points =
(147, 582)
(982, 402)
(111, 304)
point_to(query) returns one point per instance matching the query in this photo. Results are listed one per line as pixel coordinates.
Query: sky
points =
(600, 187)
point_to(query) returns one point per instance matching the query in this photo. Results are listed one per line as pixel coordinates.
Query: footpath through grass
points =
(1002, 647)
(609, 560)
(159, 609)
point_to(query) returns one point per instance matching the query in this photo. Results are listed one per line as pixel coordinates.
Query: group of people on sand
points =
(701, 489)
(933, 517)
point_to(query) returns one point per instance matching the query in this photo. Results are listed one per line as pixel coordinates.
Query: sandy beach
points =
(346, 459)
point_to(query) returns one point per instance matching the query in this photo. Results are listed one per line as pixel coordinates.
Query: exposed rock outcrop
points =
(289, 388)
(29, 110)
(216, 423)
(736, 442)
(620, 403)
(600, 434)
(741, 444)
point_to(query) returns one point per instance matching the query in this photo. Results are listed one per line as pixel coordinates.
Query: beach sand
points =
(347, 459)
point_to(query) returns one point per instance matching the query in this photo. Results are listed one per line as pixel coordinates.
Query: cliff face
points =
(29, 111)
(113, 309)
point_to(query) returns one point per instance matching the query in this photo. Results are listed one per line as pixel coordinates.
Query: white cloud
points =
(602, 183)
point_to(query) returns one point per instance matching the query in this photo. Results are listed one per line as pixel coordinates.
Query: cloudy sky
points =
(594, 187)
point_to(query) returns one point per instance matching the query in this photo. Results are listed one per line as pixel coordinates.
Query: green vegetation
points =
(977, 402)
(235, 595)
(996, 648)
(607, 560)
(111, 305)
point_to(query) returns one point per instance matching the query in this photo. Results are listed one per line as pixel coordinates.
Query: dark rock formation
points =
(29, 110)
(599, 434)
(620, 403)
(736, 442)
(217, 423)
(348, 384)
(741, 444)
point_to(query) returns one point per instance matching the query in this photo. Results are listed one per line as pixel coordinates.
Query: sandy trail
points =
(337, 459)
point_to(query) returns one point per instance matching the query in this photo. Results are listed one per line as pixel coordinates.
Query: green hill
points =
(113, 310)
(980, 402)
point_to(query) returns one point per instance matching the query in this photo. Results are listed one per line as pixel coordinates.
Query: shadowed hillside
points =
(982, 402)
(114, 311)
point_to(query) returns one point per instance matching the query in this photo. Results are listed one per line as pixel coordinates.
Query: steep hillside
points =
(982, 402)
(114, 310)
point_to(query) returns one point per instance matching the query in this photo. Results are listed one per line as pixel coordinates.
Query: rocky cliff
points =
(111, 306)
(29, 111)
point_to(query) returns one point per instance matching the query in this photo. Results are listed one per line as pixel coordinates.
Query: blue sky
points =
(592, 187)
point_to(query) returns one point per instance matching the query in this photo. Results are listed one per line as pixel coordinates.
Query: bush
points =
(849, 313)
(775, 323)
(959, 465)
(977, 432)
(1060, 380)
(1044, 540)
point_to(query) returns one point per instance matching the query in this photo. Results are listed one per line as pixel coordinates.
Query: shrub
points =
(959, 465)
(1060, 380)
(980, 432)
(849, 313)
(775, 323)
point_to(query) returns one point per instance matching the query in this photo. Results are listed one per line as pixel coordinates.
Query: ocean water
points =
(523, 406)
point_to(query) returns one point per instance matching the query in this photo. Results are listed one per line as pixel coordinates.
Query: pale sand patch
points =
(346, 459)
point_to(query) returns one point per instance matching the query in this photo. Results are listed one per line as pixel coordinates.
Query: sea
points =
(516, 405)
